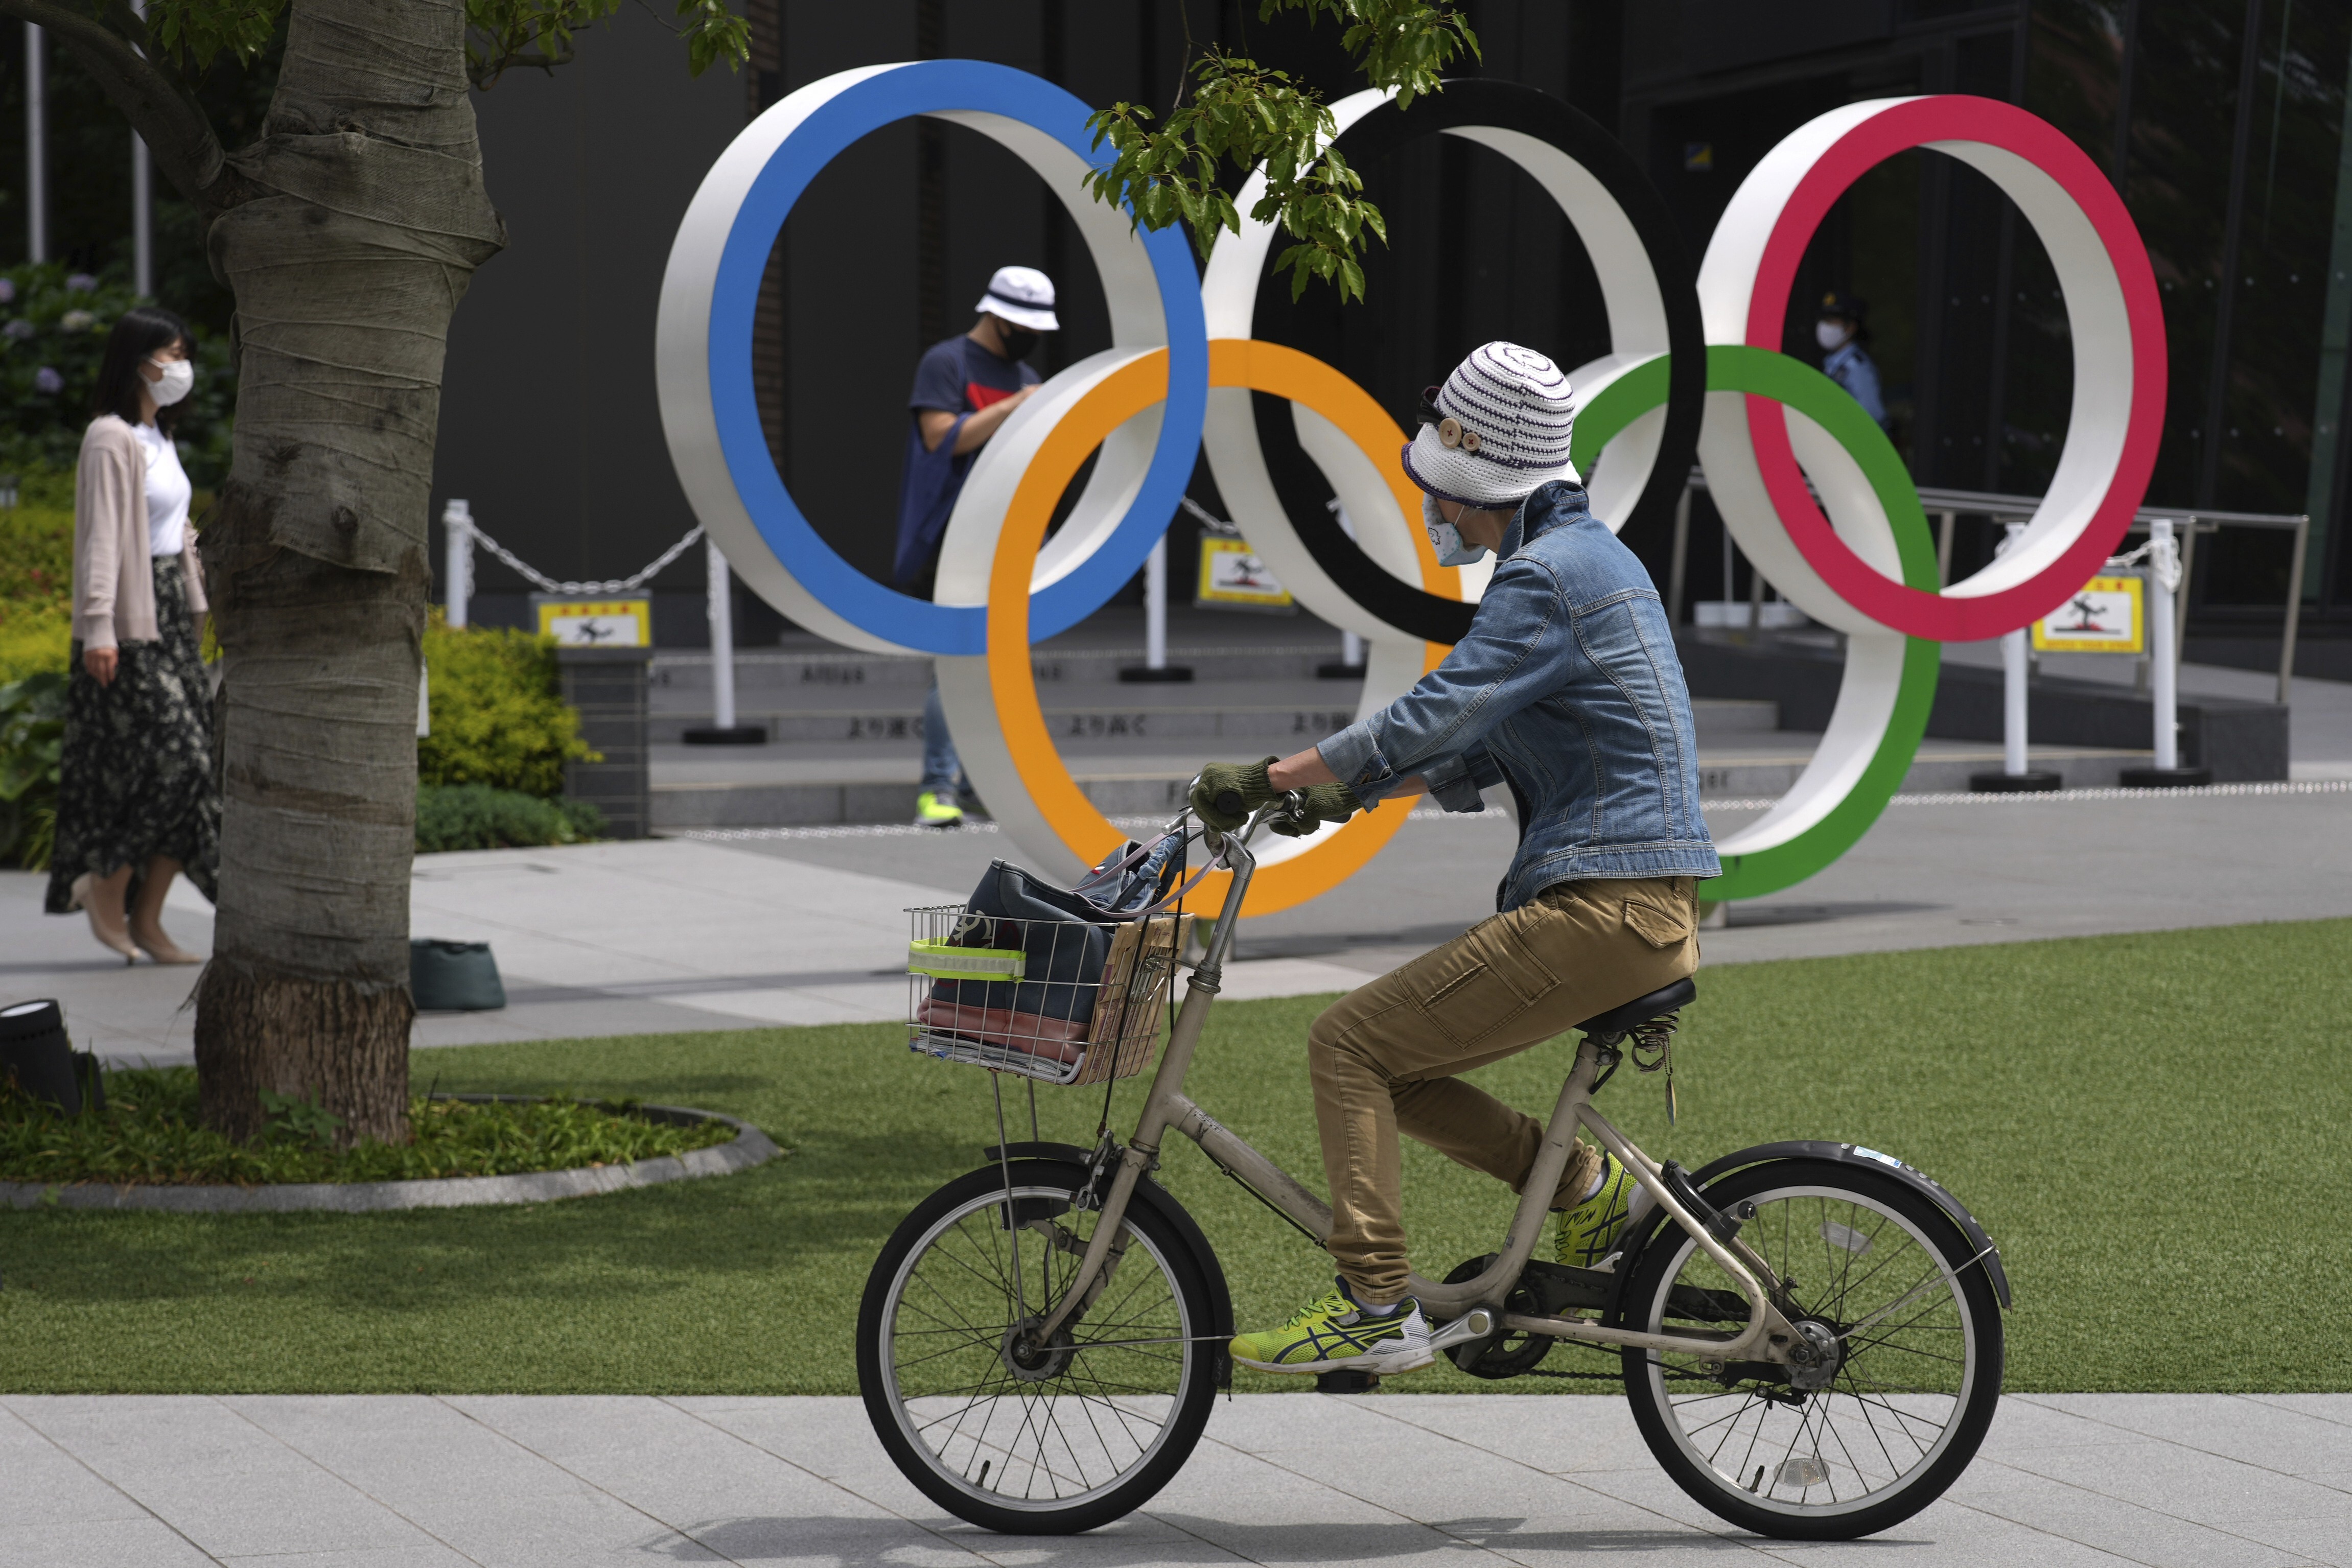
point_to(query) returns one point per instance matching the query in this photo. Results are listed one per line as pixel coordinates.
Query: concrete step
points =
(1939, 768)
(782, 793)
(1268, 710)
(820, 671)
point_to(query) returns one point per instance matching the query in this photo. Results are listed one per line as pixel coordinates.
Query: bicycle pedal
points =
(1347, 1380)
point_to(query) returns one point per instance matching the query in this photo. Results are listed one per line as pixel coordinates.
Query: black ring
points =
(1507, 106)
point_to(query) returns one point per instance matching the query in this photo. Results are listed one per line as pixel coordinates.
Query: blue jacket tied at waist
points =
(1567, 688)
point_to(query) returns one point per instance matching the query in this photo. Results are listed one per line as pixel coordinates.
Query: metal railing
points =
(1948, 507)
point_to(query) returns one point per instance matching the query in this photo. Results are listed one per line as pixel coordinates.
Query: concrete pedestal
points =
(607, 686)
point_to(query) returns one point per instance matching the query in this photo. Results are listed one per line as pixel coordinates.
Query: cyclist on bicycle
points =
(1568, 690)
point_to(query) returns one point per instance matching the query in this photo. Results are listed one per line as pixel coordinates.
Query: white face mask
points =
(1829, 334)
(1446, 539)
(179, 378)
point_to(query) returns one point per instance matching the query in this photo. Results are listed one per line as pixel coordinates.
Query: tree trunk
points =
(355, 226)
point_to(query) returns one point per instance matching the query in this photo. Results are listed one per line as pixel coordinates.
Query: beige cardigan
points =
(114, 591)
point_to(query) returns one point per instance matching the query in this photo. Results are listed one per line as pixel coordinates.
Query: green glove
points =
(1322, 803)
(1227, 792)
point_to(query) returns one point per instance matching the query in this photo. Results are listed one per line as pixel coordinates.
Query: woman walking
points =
(136, 800)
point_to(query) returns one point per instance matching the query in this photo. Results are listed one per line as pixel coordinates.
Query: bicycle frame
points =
(1472, 1309)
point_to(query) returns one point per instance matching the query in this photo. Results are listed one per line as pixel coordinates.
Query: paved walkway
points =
(2197, 1481)
(801, 927)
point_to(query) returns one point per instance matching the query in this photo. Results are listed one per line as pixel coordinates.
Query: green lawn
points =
(2157, 1129)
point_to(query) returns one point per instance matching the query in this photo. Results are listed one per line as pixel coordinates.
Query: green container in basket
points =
(453, 976)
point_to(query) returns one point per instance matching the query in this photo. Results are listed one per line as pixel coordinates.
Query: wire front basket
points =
(1063, 1001)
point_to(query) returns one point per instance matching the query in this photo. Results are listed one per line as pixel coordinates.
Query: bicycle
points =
(1810, 1333)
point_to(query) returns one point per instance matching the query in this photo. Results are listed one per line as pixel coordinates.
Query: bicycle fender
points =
(1163, 1202)
(1836, 1154)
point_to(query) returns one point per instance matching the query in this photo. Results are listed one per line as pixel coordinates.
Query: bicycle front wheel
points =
(1908, 1336)
(1024, 1438)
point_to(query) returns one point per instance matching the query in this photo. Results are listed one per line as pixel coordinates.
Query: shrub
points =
(496, 715)
(34, 640)
(36, 575)
(53, 328)
(478, 817)
(32, 735)
(149, 1132)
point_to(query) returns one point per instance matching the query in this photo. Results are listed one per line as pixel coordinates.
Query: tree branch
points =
(152, 96)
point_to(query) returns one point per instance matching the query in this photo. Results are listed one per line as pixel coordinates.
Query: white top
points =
(168, 492)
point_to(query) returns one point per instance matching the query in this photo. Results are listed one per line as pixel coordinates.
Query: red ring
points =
(1958, 118)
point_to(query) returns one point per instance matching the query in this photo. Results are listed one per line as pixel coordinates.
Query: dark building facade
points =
(2220, 120)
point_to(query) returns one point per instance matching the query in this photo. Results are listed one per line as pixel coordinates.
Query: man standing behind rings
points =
(1845, 360)
(965, 389)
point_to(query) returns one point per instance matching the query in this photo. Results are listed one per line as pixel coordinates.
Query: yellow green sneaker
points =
(1335, 1334)
(1589, 1232)
(933, 809)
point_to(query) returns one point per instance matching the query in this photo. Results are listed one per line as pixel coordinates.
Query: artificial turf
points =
(2157, 1129)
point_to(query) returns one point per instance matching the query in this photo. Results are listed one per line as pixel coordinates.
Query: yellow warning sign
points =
(2107, 616)
(597, 622)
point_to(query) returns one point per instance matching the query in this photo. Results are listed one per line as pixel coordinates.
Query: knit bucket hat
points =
(1496, 430)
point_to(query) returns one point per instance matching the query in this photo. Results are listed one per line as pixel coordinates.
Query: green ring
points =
(1795, 384)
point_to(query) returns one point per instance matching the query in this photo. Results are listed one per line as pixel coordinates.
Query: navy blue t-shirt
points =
(961, 378)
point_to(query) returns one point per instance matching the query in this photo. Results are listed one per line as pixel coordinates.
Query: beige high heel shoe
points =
(114, 935)
(162, 948)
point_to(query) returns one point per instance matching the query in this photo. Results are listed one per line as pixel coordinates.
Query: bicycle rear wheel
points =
(1069, 1436)
(1884, 1284)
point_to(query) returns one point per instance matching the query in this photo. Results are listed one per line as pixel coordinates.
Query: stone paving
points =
(804, 926)
(2166, 1480)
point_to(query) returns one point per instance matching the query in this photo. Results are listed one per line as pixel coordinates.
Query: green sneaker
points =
(933, 809)
(1589, 1232)
(1335, 1332)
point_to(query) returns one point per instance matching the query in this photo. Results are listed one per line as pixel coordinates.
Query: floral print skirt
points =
(136, 777)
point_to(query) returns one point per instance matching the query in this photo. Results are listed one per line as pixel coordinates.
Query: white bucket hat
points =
(1496, 430)
(1022, 295)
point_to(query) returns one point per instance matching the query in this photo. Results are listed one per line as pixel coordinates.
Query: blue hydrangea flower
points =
(80, 282)
(19, 329)
(47, 381)
(8, 290)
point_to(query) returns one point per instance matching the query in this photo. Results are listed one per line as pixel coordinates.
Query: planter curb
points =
(751, 1147)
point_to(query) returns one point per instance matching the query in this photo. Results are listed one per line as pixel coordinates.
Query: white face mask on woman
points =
(179, 378)
(1829, 335)
(1446, 539)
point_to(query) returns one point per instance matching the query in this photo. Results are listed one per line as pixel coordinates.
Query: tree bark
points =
(348, 233)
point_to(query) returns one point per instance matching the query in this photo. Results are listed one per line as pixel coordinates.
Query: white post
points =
(36, 148)
(142, 219)
(2012, 703)
(458, 559)
(1352, 647)
(142, 202)
(1155, 606)
(2013, 652)
(2161, 669)
(722, 635)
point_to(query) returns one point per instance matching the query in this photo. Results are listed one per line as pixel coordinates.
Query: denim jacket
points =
(1569, 690)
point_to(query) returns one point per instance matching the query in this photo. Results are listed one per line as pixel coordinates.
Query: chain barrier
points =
(547, 584)
(2162, 553)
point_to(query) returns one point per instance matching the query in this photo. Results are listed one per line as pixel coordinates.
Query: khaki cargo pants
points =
(1385, 1057)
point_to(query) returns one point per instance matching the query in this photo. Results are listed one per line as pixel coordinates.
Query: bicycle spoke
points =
(1877, 1436)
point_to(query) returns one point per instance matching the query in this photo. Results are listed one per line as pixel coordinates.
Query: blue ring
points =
(923, 88)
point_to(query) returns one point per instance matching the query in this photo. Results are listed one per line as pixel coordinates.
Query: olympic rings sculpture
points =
(1693, 367)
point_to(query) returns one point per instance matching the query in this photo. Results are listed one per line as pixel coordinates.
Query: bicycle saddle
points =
(1642, 1010)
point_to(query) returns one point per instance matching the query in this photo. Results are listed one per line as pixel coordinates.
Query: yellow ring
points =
(1233, 363)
